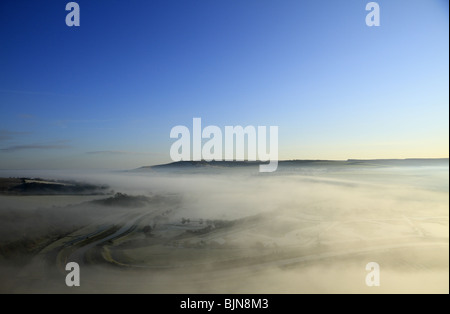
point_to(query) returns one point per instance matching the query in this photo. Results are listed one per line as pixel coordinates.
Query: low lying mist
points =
(308, 229)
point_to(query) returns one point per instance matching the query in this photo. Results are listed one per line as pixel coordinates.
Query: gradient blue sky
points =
(106, 94)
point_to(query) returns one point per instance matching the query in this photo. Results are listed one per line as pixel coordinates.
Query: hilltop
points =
(289, 164)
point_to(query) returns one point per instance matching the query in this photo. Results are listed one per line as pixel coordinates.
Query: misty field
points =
(308, 228)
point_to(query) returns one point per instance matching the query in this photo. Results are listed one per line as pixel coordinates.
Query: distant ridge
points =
(192, 165)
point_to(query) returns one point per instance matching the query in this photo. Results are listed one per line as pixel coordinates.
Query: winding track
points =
(79, 254)
(77, 249)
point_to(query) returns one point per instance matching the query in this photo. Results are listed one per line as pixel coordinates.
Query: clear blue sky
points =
(106, 94)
